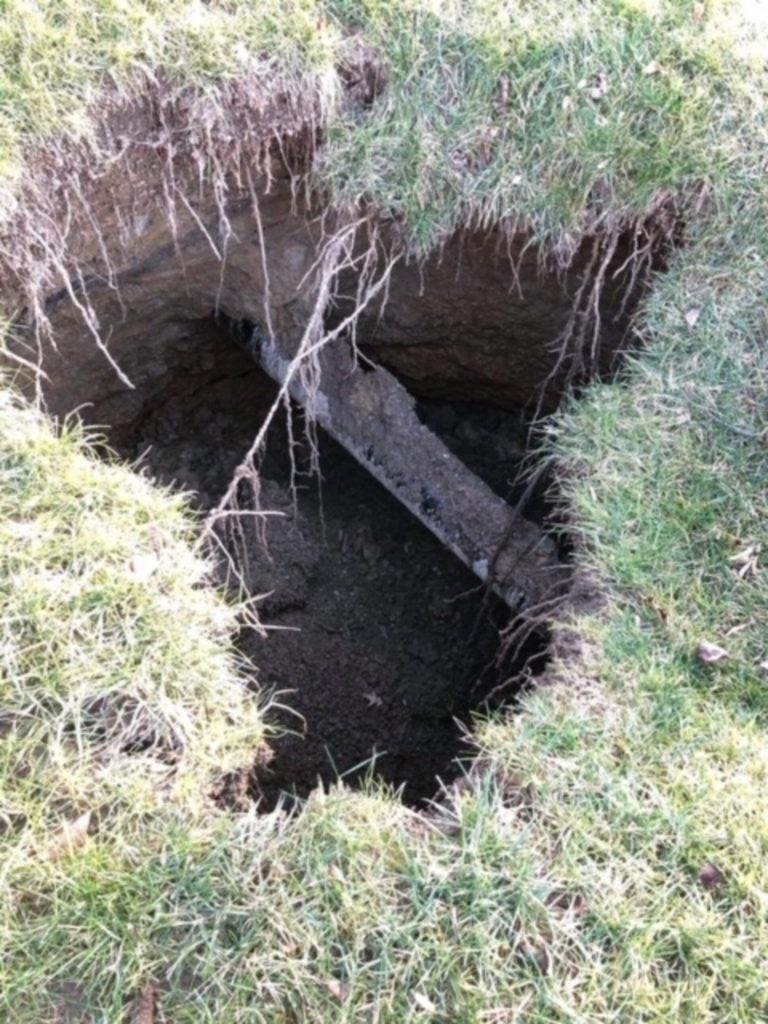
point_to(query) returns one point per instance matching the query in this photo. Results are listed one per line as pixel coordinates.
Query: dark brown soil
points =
(394, 639)
(379, 641)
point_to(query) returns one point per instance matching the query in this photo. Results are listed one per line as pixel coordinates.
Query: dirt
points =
(492, 312)
(379, 641)
(392, 640)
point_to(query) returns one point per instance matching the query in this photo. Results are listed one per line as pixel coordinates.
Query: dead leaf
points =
(659, 610)
(710, 654)
(692, 316)
(70, 837)
(338, 991)
(744, 563)
(142, 566)
(502, 101)
(485, 149)
(699, 10)
(654, 68)
(145, 1006)
(711, 877)
(742, 557)
(533, 954)
(571, 902)
(461, 160)
(424, 1002)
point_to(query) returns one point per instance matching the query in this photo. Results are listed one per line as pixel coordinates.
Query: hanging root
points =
(578, 350)
(298, 376)
(370, 414)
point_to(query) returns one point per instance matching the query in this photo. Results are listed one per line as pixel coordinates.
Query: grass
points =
(491, 113)
(121, 700)
(564, 882)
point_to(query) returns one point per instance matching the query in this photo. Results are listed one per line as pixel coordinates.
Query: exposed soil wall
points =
(127, 237)
(489, 319)
(144, 313)
(480, 322)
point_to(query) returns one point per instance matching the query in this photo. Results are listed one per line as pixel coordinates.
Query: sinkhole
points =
(379, 642)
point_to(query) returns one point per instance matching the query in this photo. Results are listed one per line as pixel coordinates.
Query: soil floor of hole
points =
(379, 639)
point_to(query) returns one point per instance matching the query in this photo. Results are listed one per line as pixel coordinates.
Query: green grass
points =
(563, 883)
(490, 112)
(120, 696)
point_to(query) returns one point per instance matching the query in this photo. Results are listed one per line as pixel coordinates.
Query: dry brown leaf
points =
(699, 10)
(535, 954)
(571, 902)
(692, 316)
(659, 610)
(710, 654)
(145, 1006)
(654, 68)
(142, 566)
(742, 557)
(424, 1002)
(70, 837)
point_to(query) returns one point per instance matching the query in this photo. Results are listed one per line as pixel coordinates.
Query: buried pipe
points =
(373, 417)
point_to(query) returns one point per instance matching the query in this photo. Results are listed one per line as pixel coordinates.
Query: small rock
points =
(692, 316)
(424, 1002)
(711, 877)
(710, 654)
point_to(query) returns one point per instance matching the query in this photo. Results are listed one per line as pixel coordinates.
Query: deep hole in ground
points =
(380, 642)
